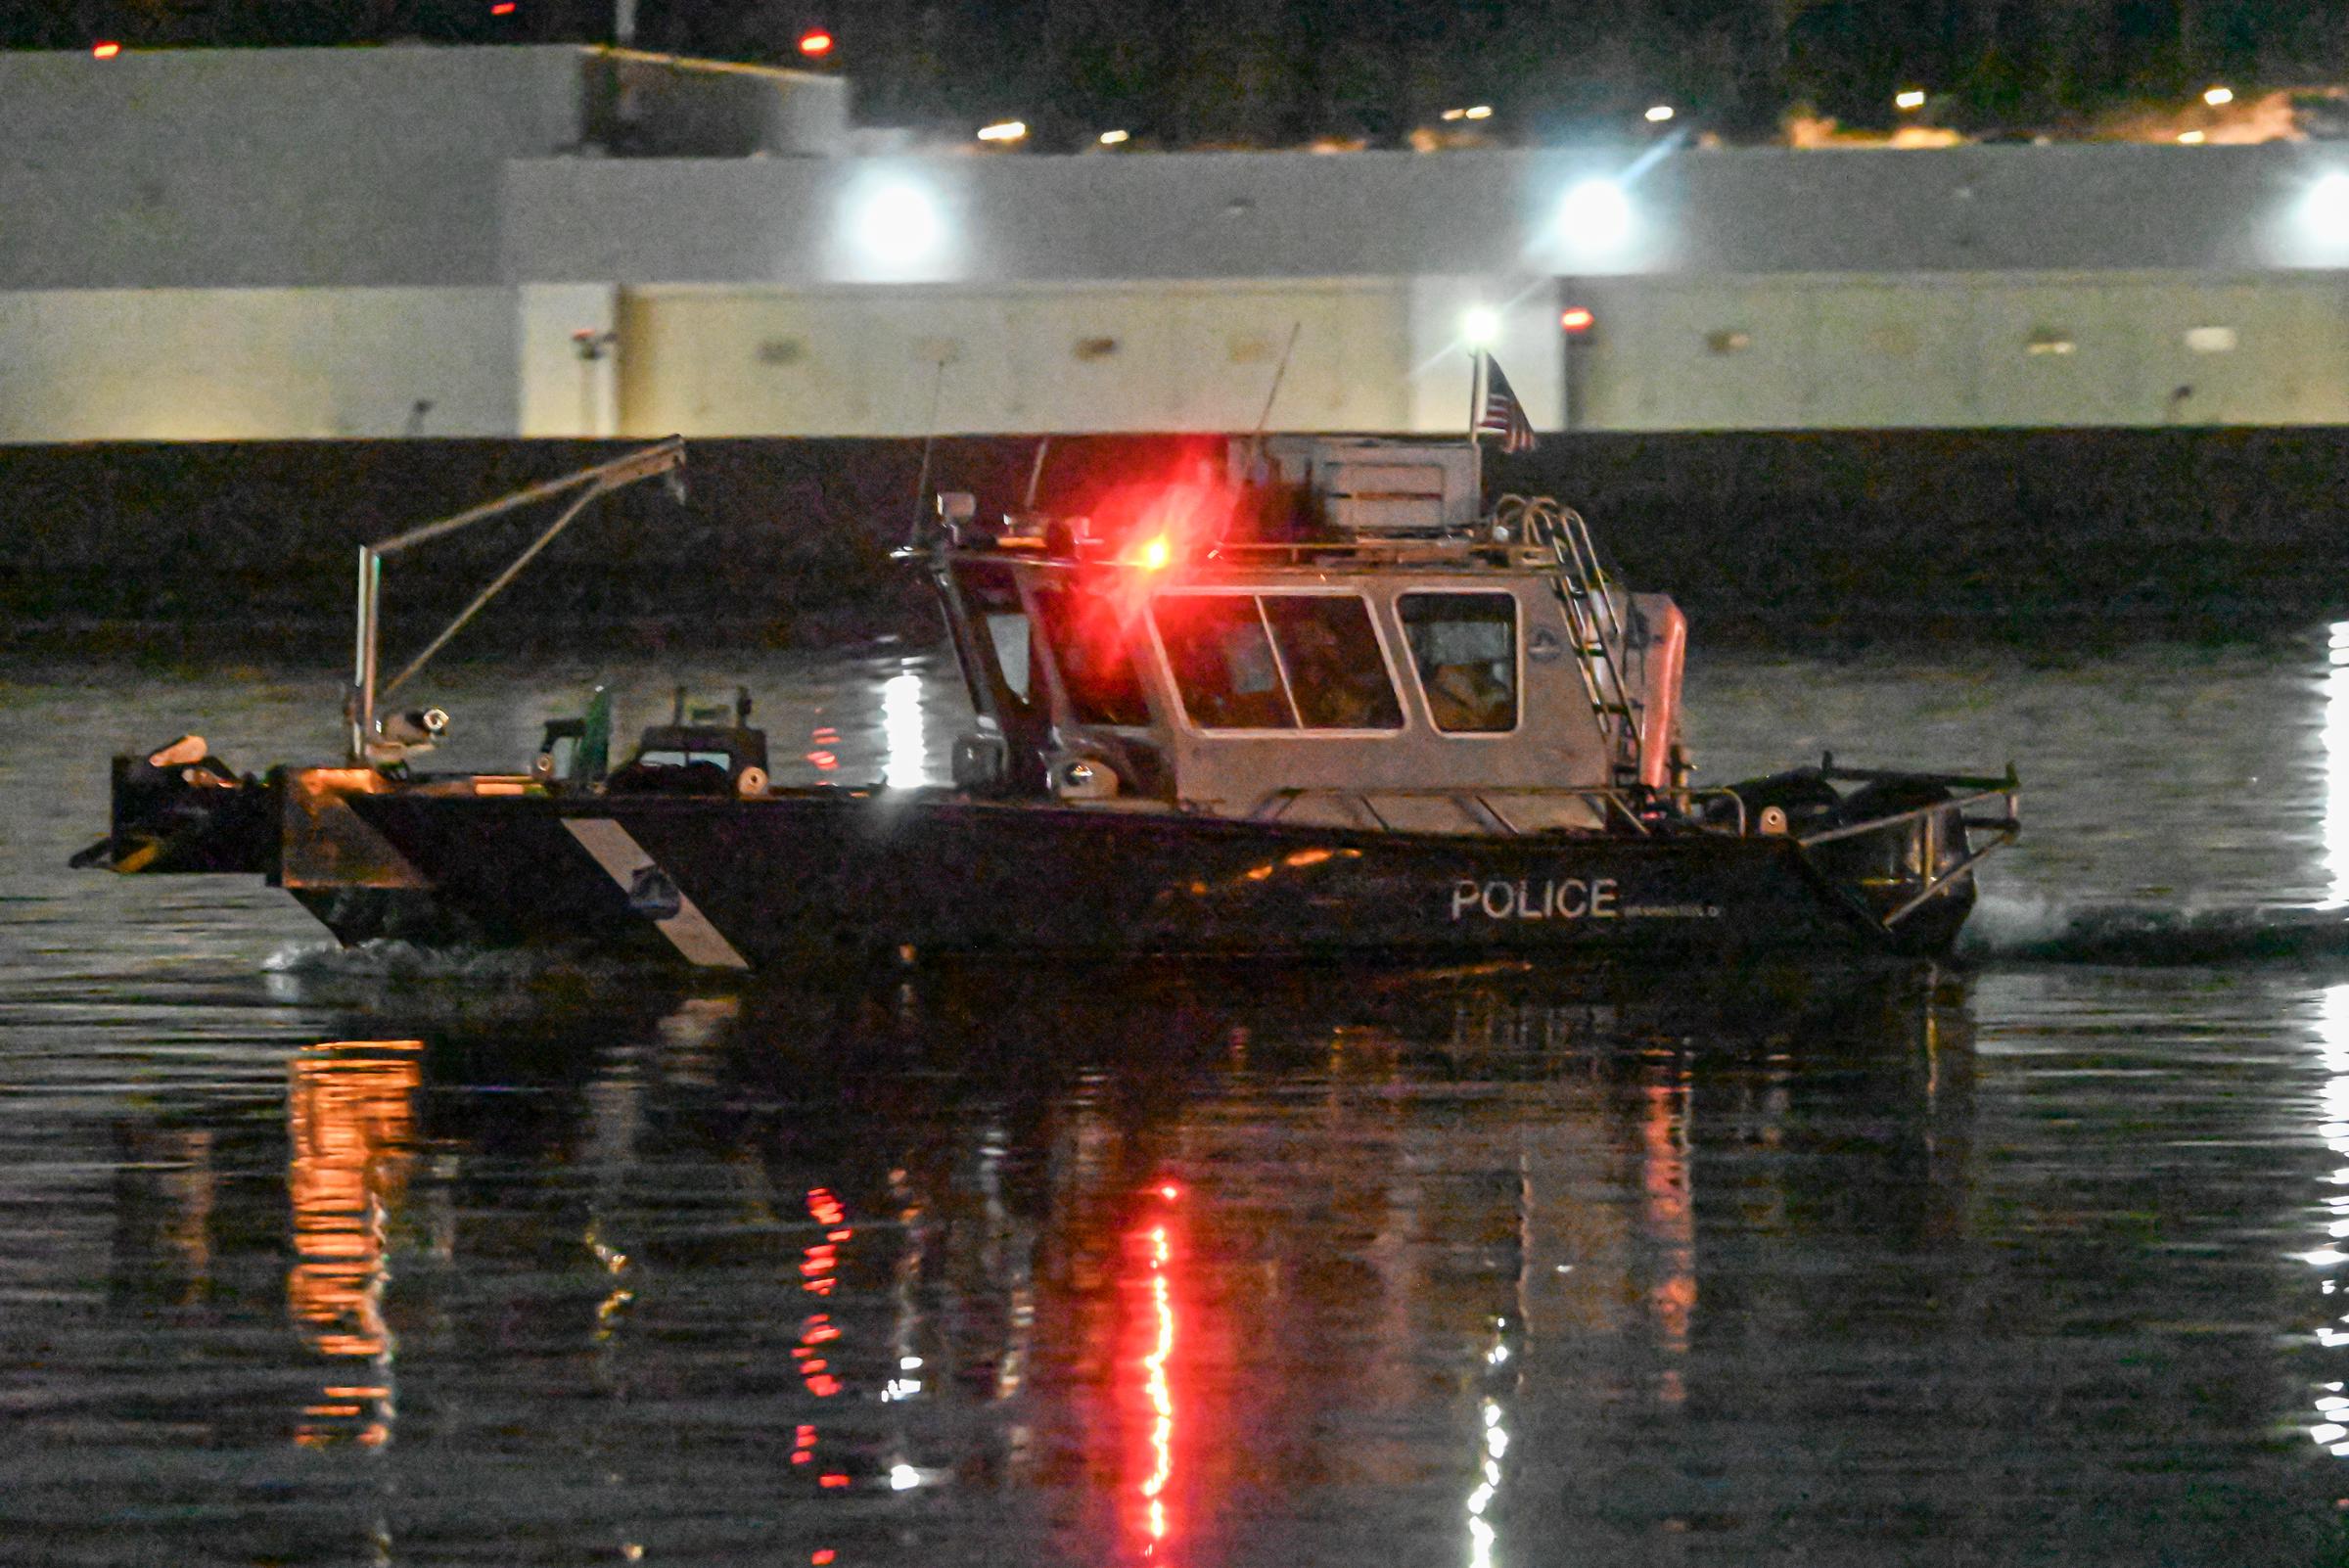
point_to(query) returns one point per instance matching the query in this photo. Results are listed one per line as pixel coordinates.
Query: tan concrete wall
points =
(222, 364)
(1066, 357)
(1962, 350)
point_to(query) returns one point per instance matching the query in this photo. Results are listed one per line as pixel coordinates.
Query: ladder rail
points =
(1603, 642)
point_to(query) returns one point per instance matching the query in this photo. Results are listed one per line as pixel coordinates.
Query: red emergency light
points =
(503, 7)
(815, 43)
(1576, 319)
(105, 51)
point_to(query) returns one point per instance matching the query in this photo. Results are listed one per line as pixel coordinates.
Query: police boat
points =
(1319, 703)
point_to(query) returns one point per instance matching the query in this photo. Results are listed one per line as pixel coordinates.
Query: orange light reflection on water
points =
(348, 1129)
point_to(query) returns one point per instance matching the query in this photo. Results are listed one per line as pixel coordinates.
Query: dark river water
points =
(385, 1257)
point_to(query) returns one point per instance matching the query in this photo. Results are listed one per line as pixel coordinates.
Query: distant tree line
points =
(1285, 73)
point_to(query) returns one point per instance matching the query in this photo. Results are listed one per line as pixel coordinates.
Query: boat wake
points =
(409, 962)
(2050, 931)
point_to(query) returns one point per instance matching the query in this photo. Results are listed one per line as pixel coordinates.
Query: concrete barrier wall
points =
(227, 364)
(1962, 350)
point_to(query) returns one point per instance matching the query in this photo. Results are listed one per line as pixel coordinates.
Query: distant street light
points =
(1477, 111)
(2217, 97)
(1115, 138)
(1659, 114)
(1005, 130)
(2192, 138)
(1909, 98)
(1454, 113)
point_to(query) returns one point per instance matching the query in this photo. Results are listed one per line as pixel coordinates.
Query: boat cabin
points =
(1341, 637)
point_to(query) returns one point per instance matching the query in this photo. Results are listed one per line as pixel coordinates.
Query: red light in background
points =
(815, 43)
(503, 7)
(105, 51)
(1575, 319)
(819, 1558)
(1169, 1191)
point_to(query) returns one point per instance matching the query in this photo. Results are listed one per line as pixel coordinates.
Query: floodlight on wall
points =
(1595, 217)
(897, 225)
(2324, 210)
(1480, 326)
(1909, 99)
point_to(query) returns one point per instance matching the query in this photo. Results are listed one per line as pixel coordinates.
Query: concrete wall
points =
(1970, 210)
(1078, 357)
(222, 364)
(341, 167)
(1962, 350)
(656, 106)
(231, 168)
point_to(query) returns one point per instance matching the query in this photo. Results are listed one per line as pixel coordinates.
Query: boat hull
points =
(794, 876)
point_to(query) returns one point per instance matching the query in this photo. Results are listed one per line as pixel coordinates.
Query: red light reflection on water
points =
(819, 1270)
(1147, 1370)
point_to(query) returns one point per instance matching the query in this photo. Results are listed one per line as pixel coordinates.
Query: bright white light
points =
(1454, 113)
(1909, 98)
(2217, 96)
(908, 1364)
(2324, 209)
(1003, 130)
(1658, 114)
(2190, 138)
(1114, 138)
(898, 224)
(902, 733)
(904, 1478)
(1477, 111)
(1596, 215)
(1480, 326)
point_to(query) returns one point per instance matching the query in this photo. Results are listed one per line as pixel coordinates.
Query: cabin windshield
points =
(1464, 646)
(1277, 661)
(1097, 666)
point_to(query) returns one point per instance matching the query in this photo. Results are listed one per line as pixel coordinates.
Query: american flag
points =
(1503, 415)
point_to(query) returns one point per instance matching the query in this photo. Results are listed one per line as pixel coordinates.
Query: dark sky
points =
(1256, 72)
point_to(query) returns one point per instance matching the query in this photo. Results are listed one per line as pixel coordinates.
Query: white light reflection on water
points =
(902, 733)
(2333, 1041)
(2336, 740)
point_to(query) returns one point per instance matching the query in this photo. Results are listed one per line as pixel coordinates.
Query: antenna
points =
(1279, 371)
(1035, 474)
(921, 484)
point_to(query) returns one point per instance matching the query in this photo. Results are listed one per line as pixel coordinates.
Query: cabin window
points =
(1007, 630)
(1097, 666)
(1464, 646)
(1223, 660)
(1337, 677)
(999, 623)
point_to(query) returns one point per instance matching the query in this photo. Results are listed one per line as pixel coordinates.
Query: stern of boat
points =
(1899, 848)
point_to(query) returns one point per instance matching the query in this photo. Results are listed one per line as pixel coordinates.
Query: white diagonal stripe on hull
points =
(689, 930)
